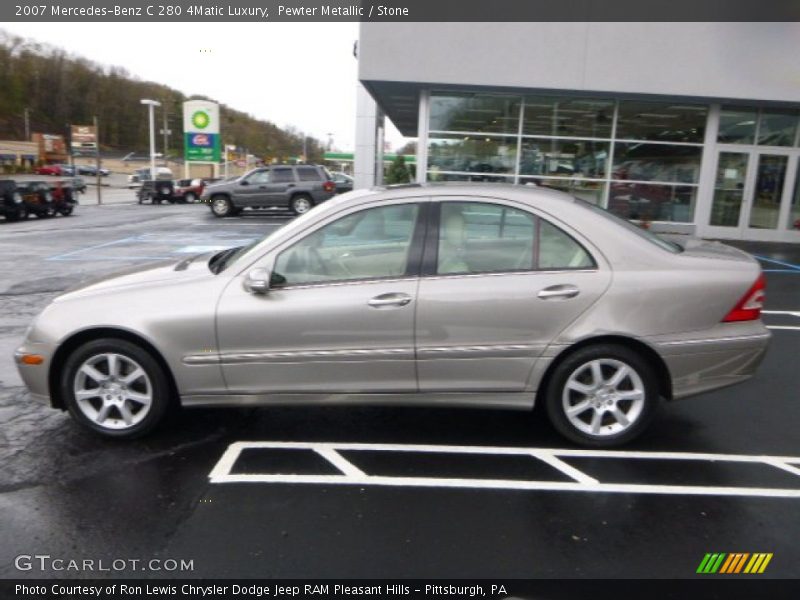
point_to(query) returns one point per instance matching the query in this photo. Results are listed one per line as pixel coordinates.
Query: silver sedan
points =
(439, 295)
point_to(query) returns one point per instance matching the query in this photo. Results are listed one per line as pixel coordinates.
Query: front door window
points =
(369, 244)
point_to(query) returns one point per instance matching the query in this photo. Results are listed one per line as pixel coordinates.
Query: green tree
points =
(398, 171)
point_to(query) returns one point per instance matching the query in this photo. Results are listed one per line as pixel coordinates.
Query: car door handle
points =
(390, 299)
(555, 292)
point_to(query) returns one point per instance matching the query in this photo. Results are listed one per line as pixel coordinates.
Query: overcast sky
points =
(300, 74)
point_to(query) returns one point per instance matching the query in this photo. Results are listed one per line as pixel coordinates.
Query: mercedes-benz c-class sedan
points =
(438, 295)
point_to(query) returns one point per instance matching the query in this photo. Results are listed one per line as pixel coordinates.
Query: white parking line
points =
(352, 475)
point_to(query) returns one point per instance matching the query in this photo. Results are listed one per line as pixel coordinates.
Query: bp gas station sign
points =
(201, 136)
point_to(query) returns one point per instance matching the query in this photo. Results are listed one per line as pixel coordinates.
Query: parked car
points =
(12, 206)
(78, 184)
(295, 187)
(65, 197)
(37, 198)
(136, 178)
(492, 296)
(92, 170)
(188, 190)
(343, 181)
(156, 192)
(49, 170)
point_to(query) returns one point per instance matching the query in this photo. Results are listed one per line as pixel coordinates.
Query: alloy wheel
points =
(603, 397)
(113, 391)
(301, 205)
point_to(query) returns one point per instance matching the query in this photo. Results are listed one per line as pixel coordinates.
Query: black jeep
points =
(12, 206)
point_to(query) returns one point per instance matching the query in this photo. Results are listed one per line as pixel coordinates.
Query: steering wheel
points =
(314, 253)
(343, 264)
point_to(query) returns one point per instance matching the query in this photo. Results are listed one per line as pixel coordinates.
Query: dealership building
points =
(692, 127)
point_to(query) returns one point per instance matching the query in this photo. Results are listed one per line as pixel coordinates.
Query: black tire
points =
(160, 387)
(610, 356)
(19, 214)
(46, 211)
(221, 206)
(66, 209)
(189, 198)
(301, 203)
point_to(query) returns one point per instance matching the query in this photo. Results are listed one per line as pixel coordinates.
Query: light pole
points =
(151, 108)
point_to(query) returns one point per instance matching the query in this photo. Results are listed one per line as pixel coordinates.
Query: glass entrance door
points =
(729, 189)
(754, 194)
(767, 191)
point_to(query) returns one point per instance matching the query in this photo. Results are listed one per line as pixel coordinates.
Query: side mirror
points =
(257, 281)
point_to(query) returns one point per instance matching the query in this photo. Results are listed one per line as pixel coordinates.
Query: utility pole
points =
(305, 154)
(97, 160)
(166, 132)
(27, 124)
(151, 105)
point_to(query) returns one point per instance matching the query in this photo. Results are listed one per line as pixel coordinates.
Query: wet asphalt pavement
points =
(66, 493)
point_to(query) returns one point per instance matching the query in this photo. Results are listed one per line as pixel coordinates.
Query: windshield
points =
(642, 233)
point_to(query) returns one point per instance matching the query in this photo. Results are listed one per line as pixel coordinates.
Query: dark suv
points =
(296, 187)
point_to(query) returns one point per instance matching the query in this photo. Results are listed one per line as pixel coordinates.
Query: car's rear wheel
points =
(221, 206)
(602, 396)
(115, 388)
(189, 198)
(66, 209)
(301, 203)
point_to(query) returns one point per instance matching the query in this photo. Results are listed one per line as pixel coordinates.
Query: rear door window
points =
(281, 176)
(308, 174)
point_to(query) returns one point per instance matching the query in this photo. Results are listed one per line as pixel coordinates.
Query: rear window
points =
(308, 174)
(642, 233)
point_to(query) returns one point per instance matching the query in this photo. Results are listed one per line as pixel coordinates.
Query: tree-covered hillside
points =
(59, 89)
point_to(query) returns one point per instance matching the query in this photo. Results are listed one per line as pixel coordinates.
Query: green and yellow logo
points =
(735, 562)
(200, 119)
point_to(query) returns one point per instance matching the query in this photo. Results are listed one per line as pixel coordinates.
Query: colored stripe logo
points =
(734, 563)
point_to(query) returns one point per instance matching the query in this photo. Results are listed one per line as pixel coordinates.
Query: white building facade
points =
(693, 127)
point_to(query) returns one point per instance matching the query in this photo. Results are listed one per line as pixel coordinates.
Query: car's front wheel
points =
(115, 388)
(221, 206)
(189, 198)
(602, 396)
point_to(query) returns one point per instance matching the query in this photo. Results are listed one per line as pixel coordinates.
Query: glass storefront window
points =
(568, 117)
(593, 192)
(729, 189)
(777, 128)
(474, 113)
(661, 121)
(652, 202)
(737, 125)
(794, 207)
(565, 158)
(481, 157)
(657, 162)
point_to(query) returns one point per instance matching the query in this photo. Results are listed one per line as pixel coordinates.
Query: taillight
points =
(329, 186)
(749, 307)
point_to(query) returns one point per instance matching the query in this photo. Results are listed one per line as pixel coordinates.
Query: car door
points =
(339, 314)
(252, 189)
(498, 285)
(281, 181)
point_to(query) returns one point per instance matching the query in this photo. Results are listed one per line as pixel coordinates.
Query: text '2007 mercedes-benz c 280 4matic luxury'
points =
(438, 295)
